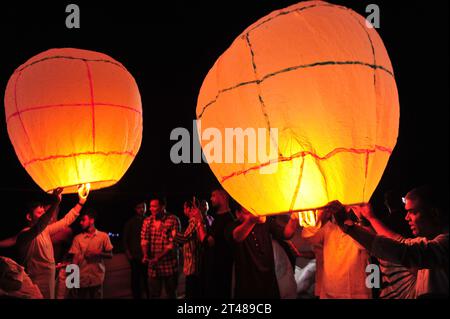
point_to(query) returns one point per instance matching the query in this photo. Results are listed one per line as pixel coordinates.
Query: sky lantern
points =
(320, 78)
(74, 117)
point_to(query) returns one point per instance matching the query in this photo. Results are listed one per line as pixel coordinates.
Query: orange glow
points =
(319, 75)
(74, 117)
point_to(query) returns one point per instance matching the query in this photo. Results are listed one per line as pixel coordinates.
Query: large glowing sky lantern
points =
(74, 117)
(320, 76)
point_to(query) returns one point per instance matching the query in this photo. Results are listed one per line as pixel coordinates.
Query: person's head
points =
(34, 211)
(424, 212)
(87, 219)
(187, 207)
(140, 208)
(157, 205)
(219, 199)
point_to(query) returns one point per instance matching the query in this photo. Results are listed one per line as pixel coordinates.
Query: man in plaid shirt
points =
(158, 249)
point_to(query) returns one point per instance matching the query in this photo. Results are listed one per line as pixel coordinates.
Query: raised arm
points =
(196, 227)
(72, 215)
(412, 253)
(181, 238)
(200, 222)
(366, 211)
(241, 232)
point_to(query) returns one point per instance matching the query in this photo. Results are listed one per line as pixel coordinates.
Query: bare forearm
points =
(8, 242)
(67, 220)
(241, 232)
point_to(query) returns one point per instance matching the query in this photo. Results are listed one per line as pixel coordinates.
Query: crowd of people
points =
(231, 253)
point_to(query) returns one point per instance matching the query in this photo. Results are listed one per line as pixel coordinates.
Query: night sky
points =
(169, 49)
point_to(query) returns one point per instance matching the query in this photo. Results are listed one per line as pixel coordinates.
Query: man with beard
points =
(89, 249)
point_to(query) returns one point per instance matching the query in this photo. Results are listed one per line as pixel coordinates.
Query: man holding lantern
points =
(254, 260)
(34, 242)
(341, 262)
(426, 254)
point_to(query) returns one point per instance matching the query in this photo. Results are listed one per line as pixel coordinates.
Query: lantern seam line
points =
(91, 89)
(40, 107)
(305, 153)
(297, 188)
(292, 68)
(375, 95)
(282, 13)
(68, 58)
(43, 159)
(261, 100)
(371, 45)
(17, 109)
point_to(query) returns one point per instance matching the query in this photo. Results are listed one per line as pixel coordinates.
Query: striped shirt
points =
(191, 248)
(427, 260)
(398, 282)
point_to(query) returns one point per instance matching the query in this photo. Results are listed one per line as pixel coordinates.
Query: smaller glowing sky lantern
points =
(74, 117)
(319, 75)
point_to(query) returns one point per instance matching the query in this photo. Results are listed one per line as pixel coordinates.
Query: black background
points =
(169, 49)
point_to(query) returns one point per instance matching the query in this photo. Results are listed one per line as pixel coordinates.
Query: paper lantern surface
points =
(323, 79)
(73, 116)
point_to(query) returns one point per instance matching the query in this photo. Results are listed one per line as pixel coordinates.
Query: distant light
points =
(404, 200)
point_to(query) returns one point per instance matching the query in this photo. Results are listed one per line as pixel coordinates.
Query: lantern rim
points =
(73, 189)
